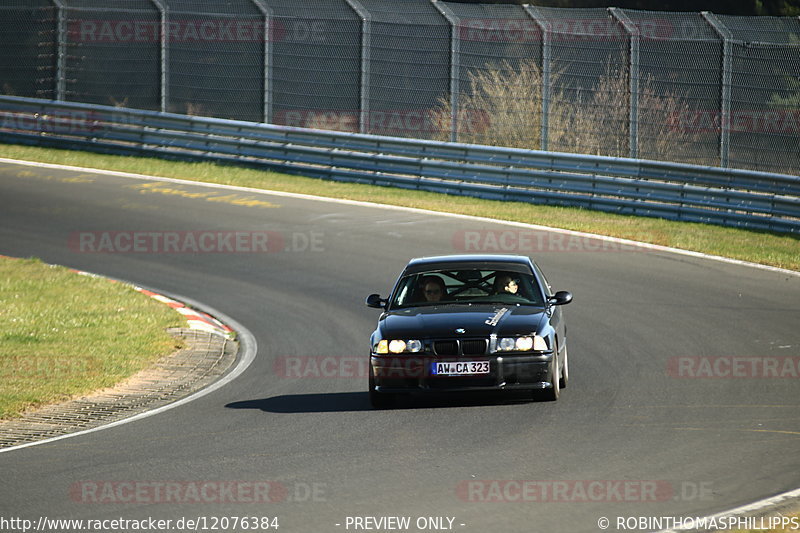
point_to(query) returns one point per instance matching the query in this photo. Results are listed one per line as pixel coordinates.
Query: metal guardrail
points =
(738, 198)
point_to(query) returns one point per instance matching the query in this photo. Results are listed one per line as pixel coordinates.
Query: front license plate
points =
(461, 368)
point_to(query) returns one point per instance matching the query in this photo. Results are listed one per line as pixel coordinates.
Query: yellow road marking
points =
(83, 178)
(80, 178)
(232, 199)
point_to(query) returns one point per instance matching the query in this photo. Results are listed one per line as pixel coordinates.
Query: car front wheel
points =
(378, 400)
(552, 394)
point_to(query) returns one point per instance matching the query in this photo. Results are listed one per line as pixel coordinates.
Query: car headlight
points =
(507, 344)
(398, 346)
(414, 346)
(539, 344)
(522, 344)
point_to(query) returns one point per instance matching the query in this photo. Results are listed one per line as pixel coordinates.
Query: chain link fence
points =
(688, 87)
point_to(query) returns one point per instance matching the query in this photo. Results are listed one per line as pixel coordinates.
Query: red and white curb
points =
(195, 319)
(248, 347)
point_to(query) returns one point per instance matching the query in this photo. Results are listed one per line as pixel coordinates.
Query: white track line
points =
(247, 353)
(615, 240)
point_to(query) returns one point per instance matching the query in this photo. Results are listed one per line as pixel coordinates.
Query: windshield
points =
(467, 286)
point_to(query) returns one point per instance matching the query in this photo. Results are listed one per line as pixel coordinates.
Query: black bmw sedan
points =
(468, 323)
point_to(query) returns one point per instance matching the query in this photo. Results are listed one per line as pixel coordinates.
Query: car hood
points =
(477, 321)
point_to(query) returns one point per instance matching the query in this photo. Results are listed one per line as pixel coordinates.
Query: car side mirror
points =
(560, 298)
(374, 300)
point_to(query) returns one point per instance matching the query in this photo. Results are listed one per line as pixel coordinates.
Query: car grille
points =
(473, 347)
(460, 347)
(445, 347)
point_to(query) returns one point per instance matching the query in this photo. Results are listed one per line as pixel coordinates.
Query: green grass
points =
(63, 334)
(767, 248)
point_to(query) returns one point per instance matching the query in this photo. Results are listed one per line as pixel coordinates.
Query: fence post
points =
(455, 65)
(366, 42)
(726, 80)
(546, 29)
(61, 50)
(266, 12)
(164, 43)
(633, 71)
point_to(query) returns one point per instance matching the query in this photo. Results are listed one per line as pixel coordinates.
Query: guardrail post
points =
(633, 71)
(546, 28)
(164, 43)
(366, 42)
(455, 65)
(726, 81)
(266, 12)
(61, 50)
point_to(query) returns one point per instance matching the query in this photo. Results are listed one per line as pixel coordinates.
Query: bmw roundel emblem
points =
(461, 330)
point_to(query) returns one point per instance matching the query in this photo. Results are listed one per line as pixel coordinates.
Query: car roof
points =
(471, 258)
(467, 260)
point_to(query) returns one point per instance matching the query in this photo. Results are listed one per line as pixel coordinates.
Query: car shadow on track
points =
(359, 401)
(308, 403)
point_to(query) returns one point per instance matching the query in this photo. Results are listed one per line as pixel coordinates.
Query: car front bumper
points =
(398, 374)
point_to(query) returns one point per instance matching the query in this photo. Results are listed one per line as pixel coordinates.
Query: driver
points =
(433, 289)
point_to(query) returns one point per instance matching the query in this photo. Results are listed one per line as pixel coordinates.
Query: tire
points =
(552, 394)
(565, 370)
(378, 400)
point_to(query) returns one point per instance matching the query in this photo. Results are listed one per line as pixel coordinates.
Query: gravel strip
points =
(205, 357)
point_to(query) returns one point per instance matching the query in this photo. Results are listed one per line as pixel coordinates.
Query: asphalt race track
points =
(680, 401)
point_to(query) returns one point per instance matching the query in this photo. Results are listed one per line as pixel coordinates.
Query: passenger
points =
(504, 283)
